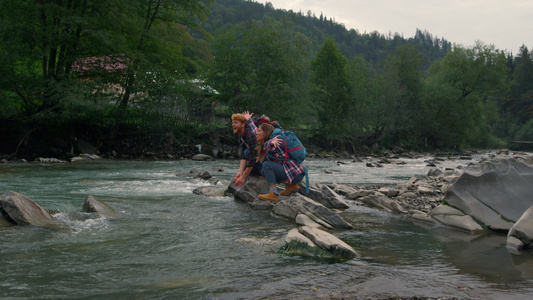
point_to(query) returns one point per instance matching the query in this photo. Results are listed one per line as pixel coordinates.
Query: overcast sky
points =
(506, 24)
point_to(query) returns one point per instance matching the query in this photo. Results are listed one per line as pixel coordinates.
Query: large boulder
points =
(328, 241)
(494, 192)
(94, 205)
(211, 191)
(21, 210)
(313, 242)
(520, 236)
(249, 190)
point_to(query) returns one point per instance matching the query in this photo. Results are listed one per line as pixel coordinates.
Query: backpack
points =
(264, 119)
(294, 149)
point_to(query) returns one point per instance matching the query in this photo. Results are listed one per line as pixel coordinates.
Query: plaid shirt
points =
(249, 141)
(292, 168)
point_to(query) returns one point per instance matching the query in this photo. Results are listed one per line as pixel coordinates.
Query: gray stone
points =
(304, 220)
(422, 217)
(342, 189)
(295, 235)
(465, 222)
(249, 190)
(85, 156)
(446, 210)
(324, 195)
(522, 230)
(426, 190)
(204, 175)
(210, 191)
(433, 172)
(495, 192)
(259, 204)
(357, 194)
(379, 200)
(94, 205)
(328, 242)
(50, 160)
(4, 220)
(21, 210)
(515, 243)
(291, 206)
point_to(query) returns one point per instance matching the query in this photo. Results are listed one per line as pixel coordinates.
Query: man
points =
(244, 126)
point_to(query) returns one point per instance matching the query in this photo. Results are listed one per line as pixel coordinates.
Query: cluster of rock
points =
(313, 213)
(17, 209)
(81, 157)
(493, 194)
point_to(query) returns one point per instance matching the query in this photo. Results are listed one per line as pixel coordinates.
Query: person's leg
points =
(274, 173)
(293, 187)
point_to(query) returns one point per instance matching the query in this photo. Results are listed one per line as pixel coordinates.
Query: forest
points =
(138, 76)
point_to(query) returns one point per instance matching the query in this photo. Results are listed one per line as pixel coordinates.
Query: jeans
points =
(275, 173)
(256, 170)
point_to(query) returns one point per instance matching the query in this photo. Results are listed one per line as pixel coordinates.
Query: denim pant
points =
(256, 170)
(275, 173)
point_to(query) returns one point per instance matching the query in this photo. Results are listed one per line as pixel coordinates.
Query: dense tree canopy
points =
(135, 73)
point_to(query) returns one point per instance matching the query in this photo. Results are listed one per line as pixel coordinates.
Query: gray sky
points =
(506, 24)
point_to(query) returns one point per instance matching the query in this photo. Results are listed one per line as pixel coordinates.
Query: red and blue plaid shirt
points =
(249, 141)
(292, 168)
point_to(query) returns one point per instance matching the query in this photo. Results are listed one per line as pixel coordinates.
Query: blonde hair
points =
(238, 117)
(267, 132)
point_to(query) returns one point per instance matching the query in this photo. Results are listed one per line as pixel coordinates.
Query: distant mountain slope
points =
(373, 46)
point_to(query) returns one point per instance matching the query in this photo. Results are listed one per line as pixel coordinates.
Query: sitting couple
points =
(263, 155)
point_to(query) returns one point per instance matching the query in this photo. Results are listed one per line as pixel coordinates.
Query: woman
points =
(274, 170)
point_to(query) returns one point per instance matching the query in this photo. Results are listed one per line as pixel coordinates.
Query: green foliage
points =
(158, 67)
(331, 89)
(454, 113)
(523, 137)
(261, 67)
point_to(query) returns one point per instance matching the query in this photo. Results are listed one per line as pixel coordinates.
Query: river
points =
(170, 243)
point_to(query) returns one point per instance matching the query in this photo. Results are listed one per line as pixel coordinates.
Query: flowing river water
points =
(170, 243)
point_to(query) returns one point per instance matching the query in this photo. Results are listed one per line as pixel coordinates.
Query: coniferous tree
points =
(331, 91)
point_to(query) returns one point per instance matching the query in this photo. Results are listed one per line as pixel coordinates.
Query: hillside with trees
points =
(141, 76)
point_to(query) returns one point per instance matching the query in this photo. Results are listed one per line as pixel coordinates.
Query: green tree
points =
(262, 67)
(406, 63)
(145, 47)
(331, 89)
(456, 91)
(66, 62)
(520, 100)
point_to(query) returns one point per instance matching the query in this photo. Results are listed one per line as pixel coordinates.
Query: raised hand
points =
(275, 141)
(247, 115)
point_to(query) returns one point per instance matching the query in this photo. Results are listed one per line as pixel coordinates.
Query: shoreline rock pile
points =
(490, 195)
(493, 194)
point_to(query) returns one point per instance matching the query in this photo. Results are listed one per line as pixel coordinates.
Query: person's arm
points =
(240, 181)
(242, 166)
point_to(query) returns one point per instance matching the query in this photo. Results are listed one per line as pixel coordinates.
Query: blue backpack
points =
(294, 149)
